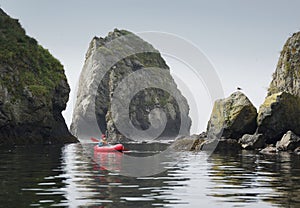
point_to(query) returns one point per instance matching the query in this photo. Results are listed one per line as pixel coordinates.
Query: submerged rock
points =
(269, 150)
(278, 114)
(220, 145)
(289, 141)
(254, 141)
(33, 89)
(232, 117)
(202, 143)
(124, 86)
(188, 143)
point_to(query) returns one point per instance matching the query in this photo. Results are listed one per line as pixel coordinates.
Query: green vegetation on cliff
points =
(37, 68)
(33, 89)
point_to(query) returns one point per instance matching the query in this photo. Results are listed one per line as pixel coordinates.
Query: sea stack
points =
(124, 89)
(280, 111)
(33, 89)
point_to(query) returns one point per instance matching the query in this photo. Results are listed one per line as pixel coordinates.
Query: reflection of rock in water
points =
(27, 176)
(88, 184)
(241, 178)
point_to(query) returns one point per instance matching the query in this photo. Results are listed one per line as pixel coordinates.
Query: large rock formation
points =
(33, 89)
(279, 113)
(123, 80)
(287, 75)
(232, 117)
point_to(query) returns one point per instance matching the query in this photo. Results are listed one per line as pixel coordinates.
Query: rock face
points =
(279, 113)
(281, 110)
(287, 75)
(33, 89)
(124, 85)
(289, 141)
(232, 117)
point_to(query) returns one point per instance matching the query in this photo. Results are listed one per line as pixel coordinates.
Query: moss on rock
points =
(279, 113)
(33, 89)
(232, 117)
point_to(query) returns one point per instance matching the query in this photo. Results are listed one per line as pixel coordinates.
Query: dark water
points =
(56, 176)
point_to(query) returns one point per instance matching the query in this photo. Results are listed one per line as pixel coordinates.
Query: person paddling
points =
(103, 141)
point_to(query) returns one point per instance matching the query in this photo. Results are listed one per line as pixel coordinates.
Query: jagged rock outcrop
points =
(232, 117)
(33, 89)
(289, 141)
(278, 114)
(287, 75)
(123, 80)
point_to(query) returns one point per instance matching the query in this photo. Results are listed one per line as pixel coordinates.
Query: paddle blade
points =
(94, 139)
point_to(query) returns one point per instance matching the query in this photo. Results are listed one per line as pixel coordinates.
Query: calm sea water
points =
(55, 176)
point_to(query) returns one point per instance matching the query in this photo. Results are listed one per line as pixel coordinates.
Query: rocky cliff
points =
(287, 74)
(280, 111)
(126, 90)
(33, 89)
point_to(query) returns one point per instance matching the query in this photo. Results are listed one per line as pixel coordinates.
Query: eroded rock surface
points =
(124, 87)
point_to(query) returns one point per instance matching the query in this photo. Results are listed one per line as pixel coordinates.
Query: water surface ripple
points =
(55, 176)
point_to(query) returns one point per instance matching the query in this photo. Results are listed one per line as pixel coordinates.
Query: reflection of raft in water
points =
(109, 148)
(111, 160)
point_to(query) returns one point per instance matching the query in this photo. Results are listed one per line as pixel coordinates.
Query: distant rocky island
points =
(33, 90)
(236, 124)
(109, 61)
